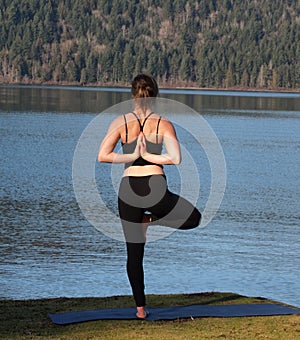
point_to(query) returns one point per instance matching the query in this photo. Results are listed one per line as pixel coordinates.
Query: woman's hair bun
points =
(144, 86)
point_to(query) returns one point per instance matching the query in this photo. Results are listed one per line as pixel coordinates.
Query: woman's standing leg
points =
(131, 217)
(135, 271)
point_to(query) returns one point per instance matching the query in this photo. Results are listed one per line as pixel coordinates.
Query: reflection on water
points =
(95, 100)
(48, 248)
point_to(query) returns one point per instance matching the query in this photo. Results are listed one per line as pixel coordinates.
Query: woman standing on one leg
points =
(144, 197)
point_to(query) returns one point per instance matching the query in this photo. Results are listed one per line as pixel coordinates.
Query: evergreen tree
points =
(91, 68)
(128, 61)
(72, 72)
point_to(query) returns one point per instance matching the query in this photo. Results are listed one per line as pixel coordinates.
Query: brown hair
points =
(144, 86)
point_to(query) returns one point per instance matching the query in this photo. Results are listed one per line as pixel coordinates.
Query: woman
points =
(144, 197)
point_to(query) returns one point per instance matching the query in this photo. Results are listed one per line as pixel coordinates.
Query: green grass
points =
(28, 319)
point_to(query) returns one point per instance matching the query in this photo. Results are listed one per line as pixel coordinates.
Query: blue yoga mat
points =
(177, 312)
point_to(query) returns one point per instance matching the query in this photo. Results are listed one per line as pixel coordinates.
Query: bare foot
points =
(141, 313)
(146, 220)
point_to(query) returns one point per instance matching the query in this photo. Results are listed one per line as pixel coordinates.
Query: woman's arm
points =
(106, 151)
(173, 154)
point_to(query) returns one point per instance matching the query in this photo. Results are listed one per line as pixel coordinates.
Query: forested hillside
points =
(205, 43)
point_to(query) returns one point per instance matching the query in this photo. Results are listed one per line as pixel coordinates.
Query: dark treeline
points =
(206, 43)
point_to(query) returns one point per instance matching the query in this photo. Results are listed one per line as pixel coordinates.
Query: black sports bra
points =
(154, 148)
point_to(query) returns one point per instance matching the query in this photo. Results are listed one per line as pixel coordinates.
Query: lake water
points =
(49, 249)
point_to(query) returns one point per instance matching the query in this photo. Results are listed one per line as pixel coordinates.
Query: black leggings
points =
(138, 195)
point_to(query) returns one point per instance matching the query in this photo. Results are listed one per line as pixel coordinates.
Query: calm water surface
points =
(251, 247)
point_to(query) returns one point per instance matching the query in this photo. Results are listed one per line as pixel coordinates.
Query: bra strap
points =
(157, 129)
(142, 125)
(126, 128)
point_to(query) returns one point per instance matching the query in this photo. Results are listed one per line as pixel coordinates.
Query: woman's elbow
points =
(176, 160)
(101, 158)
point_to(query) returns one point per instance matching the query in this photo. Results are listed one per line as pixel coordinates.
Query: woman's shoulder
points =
(164, 121)
(121, 119)
(166, 127)
(117, 122)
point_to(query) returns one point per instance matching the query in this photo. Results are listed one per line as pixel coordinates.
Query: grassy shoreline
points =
(28, 319)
